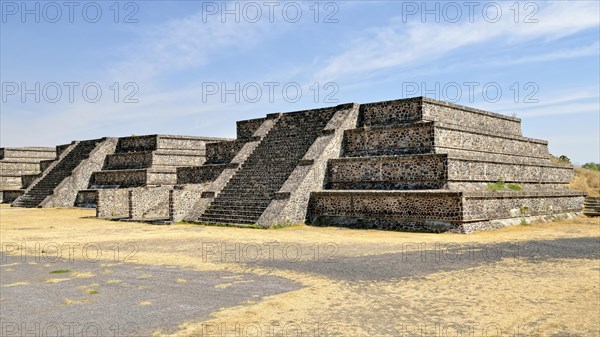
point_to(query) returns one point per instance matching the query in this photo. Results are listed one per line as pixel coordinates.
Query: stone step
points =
(239, 196)
(253, 208)
(41, 153)
(403, 111)
(233, 198)
(232, 221)
(233, 212)
(419, 210)
(419, 171)
(429, 137)
(228, 201)
(249, 191)
(166, 143)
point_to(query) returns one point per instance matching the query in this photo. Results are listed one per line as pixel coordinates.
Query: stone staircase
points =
(44, 187)
(254, 186)
(591, 206)
(171, 202)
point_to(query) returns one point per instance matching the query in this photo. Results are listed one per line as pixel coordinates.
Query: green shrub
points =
(591, 166)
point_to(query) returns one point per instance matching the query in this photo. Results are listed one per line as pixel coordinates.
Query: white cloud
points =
(185, 43)
(582, 100)
(405, 44)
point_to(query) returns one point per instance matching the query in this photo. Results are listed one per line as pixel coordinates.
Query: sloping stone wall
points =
(65, 193)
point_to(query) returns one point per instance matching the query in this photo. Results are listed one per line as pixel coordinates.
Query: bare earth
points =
(63, 268)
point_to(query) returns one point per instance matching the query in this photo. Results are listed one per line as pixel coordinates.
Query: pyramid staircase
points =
(44, 186)
(246, 196)
(591, 206)
(151, 203)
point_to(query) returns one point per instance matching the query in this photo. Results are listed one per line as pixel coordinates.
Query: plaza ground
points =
(191, 280)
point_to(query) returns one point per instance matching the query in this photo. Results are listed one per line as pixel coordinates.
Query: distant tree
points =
(564, 158)
(591, 166)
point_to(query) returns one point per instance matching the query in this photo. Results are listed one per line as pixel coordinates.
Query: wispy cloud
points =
(401, 44)
(580, 100)
(185, 43)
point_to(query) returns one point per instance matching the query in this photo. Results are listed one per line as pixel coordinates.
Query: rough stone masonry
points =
(414, 164)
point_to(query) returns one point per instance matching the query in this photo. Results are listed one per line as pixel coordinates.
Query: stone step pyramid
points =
(149, 160)
(17, 165)
(425, 165)
(62, 178)
(413, 164)
(267, 152)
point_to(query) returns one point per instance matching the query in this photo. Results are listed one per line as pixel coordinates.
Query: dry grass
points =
(587, 181)
(558, 296)
(506, 295)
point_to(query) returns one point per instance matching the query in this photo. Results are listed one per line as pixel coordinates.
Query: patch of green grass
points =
(285, 225)
(497, 186)
(92, 292)
(501, 185)
(60, 271)
(514, 187)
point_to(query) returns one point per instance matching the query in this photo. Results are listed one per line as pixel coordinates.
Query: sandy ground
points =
(535, 280)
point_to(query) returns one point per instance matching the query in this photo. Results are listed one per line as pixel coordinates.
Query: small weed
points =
(60, 271)
(92, 292)
(523, 210)
(501, 185)
(514, 187)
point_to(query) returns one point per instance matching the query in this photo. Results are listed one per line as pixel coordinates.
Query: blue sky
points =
(173, 60)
